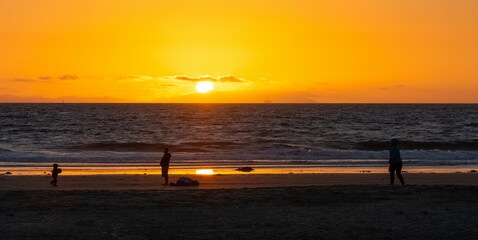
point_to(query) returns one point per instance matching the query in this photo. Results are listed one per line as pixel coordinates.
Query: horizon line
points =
(235, 103)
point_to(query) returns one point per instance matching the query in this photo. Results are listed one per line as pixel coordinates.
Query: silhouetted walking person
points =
(165, 165)
(54, 174)
(395, 162)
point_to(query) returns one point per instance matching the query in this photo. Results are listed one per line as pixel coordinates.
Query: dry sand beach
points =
(298, 206)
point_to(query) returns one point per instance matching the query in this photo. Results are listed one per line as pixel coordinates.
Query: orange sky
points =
(287, 51)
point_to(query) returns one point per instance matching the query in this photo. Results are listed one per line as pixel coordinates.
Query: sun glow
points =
(204, 87)
(325, 51)
(204, 171)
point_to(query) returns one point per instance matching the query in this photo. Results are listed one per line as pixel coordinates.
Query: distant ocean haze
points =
(430, 134)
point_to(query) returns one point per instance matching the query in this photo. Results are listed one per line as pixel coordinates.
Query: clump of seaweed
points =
(245, 169)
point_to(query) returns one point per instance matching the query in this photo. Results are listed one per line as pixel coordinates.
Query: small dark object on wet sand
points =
(185, 181)
(8, 173)
(245, 169)
(473, 171)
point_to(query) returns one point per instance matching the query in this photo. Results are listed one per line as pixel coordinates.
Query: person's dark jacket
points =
(395, 152)
(165, 160)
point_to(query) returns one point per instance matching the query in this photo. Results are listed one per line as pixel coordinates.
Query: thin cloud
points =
(68, 77)
(389, 88)
(167, 85)
(40, 79)
(227, 78)
(136, 78)
(4, 89)
(23, 80)
(195, 79)
(145, 80)
(46, 78)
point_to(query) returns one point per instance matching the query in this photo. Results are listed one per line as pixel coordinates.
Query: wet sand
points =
(299, 206)
(154, 182)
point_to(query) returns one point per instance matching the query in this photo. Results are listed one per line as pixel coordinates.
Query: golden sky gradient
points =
(383, 51)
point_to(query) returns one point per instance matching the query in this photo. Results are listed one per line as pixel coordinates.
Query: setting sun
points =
(204, 87)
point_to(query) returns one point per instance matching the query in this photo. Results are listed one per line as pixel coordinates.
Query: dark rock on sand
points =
(245, 169)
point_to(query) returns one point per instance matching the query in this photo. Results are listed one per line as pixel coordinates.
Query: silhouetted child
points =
(54, 174)
(395, 162)
(165, 165)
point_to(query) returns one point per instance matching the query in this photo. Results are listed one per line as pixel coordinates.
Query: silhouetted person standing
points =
(395, 162)
(165, 165)
(54, 174)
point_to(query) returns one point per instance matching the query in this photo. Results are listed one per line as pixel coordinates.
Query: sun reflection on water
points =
(205, 171)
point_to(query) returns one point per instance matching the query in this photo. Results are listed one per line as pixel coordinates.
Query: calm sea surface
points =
(237, 134)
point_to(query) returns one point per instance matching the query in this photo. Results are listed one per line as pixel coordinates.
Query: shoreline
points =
(123, 182)
(73, 169)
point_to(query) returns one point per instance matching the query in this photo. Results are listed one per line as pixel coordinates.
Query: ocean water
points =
(238, 134)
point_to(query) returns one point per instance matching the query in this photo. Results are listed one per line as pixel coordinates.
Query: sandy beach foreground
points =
(299, 206)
